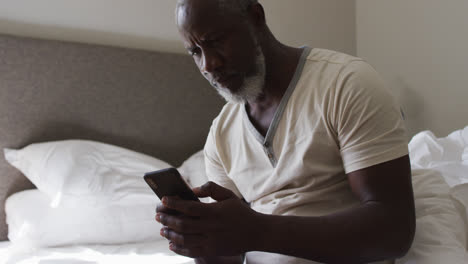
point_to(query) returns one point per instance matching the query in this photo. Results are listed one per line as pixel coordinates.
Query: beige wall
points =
(149, 24)
(421, 48)
(327, 24)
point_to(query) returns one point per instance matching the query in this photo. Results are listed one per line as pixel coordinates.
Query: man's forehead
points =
(194, 15)
(197, 7)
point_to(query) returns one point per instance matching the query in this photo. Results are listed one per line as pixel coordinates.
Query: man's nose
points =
(211, 62)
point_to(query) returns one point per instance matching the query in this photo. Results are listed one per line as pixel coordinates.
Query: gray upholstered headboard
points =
(150, 102)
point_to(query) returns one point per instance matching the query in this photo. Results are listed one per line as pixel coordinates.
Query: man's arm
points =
(382, 227)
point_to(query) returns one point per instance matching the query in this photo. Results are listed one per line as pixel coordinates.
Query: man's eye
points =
(194, 52)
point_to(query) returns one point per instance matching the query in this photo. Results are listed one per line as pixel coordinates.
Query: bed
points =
(144, 253)
(156, 104)
(83, 122)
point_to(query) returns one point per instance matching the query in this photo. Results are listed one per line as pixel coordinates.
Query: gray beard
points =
(252, 86)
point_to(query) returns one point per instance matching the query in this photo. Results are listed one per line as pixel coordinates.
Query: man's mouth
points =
(224, 79)
(221, 81)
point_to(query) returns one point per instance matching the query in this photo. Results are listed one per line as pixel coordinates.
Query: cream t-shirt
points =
(335, 117)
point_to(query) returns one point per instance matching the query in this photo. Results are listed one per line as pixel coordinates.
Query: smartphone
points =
(169, 182)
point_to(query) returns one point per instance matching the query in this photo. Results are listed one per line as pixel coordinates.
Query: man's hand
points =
(223, 228)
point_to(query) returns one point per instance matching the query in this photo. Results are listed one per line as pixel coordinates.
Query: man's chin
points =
(231, 91)
(243, 95)
(229, 96)
(233, 84)
(241, 90)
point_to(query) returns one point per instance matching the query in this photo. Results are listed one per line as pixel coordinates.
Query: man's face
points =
(224, 48)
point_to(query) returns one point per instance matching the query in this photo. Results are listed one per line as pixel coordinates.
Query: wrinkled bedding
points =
(449, 157)
(440, 175)
(140, 253)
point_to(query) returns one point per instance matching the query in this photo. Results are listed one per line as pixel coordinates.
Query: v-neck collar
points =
(268, 139)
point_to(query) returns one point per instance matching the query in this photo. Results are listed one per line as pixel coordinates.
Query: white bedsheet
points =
(447, 155)
(141, 253)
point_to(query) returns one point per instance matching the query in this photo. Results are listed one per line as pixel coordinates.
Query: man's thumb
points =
(213, 190)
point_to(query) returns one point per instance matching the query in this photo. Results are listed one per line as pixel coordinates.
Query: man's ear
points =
(257, 15)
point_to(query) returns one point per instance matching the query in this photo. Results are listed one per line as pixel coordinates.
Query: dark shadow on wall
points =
(412, 104)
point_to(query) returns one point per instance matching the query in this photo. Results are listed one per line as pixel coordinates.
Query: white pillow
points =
(448, 155)
(193, 170)
(33, 221)
(79, 168)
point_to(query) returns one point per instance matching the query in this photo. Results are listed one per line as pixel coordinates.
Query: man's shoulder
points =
(227, 117)
(331, 56)
(336, 67)
(324, 69)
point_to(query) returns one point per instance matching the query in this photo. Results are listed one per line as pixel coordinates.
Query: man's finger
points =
(185, 240)
(188, 252)
(161, 208)
(186, 207)
(215, 191)
(181, 224)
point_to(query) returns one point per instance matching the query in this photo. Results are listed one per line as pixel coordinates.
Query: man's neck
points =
(281, 62)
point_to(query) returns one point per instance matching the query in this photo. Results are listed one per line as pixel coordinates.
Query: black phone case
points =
(169, 182)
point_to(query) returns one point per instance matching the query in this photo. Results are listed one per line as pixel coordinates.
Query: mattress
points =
(141, 253)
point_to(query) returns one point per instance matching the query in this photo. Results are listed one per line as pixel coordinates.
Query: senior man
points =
(308, 160)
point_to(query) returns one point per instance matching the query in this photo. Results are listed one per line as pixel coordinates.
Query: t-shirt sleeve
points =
(215, 171)
(369, 122)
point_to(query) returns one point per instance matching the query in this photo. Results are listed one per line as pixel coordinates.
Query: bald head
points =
(234, 7)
